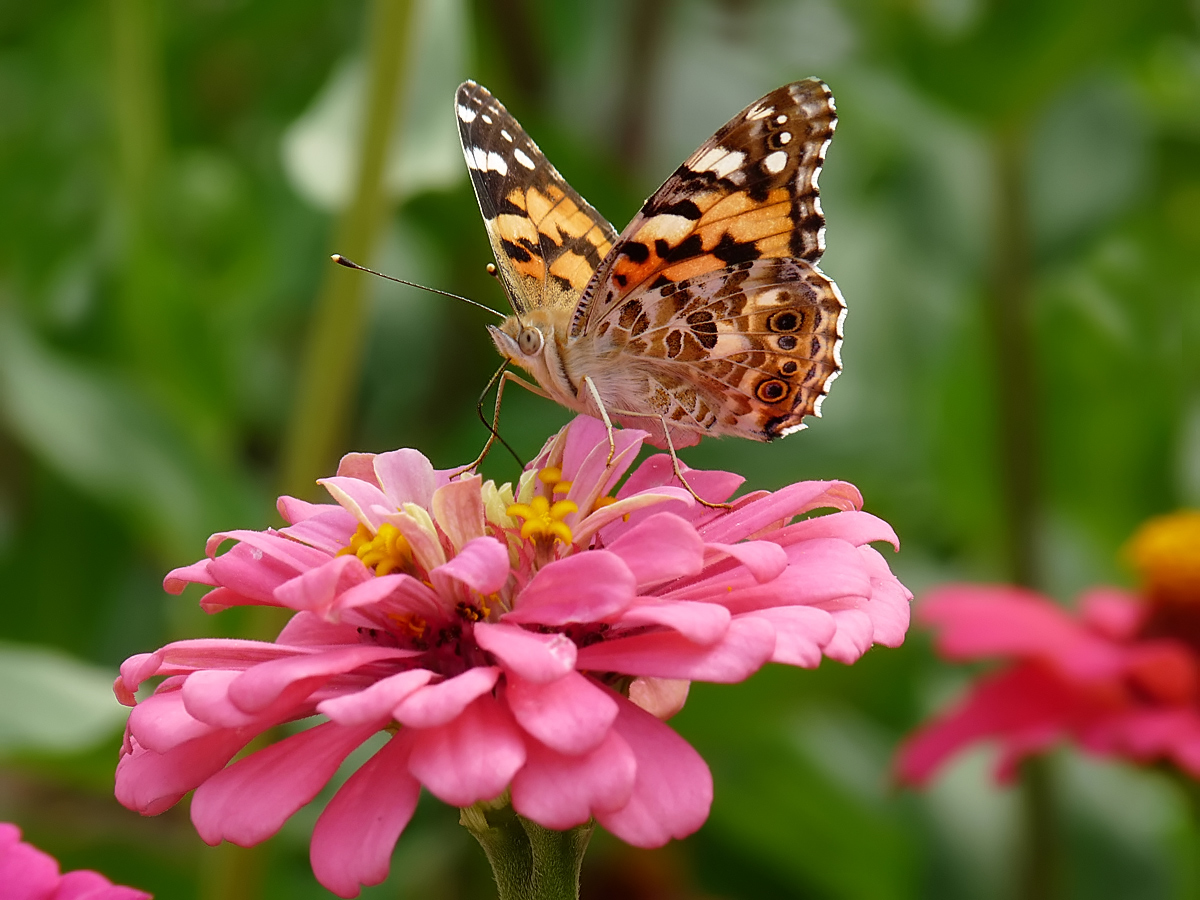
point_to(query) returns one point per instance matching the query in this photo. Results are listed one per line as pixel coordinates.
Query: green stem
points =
(530, 862)
(1040, 853)
(1010, 314)
(329, 374)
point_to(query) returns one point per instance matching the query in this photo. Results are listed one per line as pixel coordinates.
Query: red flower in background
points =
(1119, 676)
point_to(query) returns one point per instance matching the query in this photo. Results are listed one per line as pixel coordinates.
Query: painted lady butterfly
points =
(708, 314)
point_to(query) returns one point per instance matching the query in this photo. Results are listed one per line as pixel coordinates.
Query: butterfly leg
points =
(608, 426)
(679, 471)
(503, 376)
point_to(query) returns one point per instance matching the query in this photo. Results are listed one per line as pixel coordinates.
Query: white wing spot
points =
(523, 158)
(760, 112)
(466, 114)
(496, 163)
(504, 134)
(785, 137)
(775, 162)
(780, 119)
(487, 118)
(720, 162)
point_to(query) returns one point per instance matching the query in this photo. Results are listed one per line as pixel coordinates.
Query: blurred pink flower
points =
(522, 643)
(26, 873)
(1120, 676)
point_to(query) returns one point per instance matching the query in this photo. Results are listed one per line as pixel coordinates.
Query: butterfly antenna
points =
(351, 264)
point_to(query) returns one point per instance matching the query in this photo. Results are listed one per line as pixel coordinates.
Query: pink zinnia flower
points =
(1120, 676)
(509, 639)
(26, 873)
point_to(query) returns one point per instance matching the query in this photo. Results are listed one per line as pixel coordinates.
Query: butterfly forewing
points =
(749, 192)
(547, 240)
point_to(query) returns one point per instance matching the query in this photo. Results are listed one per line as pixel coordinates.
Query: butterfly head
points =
(532, 342)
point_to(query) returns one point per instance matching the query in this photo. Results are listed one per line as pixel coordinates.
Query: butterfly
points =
(707, 315)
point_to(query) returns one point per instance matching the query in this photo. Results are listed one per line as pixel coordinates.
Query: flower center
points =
(1166, 553)
(384, 551)
(543, 521)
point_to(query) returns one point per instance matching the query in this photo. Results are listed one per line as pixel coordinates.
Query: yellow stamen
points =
(550, 475)
(411, 624)
(1166, 553)
(543, 520)
(602, 502)
(561, 487)
(384, 551)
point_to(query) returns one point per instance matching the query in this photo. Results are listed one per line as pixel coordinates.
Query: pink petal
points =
(162, 721)
(751, 518)
(764, 560)
(367, 503)
(673, 790)
(328, 530)
(656, 471)
(375, 702)
(821, 572)
(800, 634)
(27, 873)
(603, 519)
(661, 697)
(853, 636)
(271, 546)
(1020, 701)
(317, 588)
(853, 526)
(889, 606)
(747, 645)
(436, 704)
(530, 654)
(257, 688)
(561, 791)
(248, 571)
(305, 629)
(593, 475)
(571, 715)
(471, 758)
(660, 548)
(701, 623)
(1111, 613)
(196, 573)
(250, 800)
(458, 510)
(977, 621)
(150, 783)
(400, 591)
(580, 588)
(406, 476)
(294, 510)
(353, 839)
(481, 565)
(360, 466)
(426, 547)
(83, 884)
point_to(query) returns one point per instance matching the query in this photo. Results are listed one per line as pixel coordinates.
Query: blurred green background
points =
(1013, 199)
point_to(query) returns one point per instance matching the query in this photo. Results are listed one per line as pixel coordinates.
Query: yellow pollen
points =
(543, 520)
(1166, 553)
(602, 502)
(550, 475)
(561, 487)
(411, 624)
(384, 551)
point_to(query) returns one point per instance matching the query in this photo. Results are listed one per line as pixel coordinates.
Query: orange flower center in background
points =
(1165, 551)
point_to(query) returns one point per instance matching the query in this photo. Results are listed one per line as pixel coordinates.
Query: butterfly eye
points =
(530, 341)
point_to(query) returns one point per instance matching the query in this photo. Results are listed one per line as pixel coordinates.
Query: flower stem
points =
(1040, 851)
(529, 861)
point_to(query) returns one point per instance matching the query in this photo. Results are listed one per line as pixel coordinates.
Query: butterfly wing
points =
(547, 240)
(746, 350)
(713, 288)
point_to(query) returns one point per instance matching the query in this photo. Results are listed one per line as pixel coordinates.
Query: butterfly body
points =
(708, 313)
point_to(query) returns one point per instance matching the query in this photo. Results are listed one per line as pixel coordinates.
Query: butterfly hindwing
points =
(547, 240)
(748, 350)
(749, 192)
